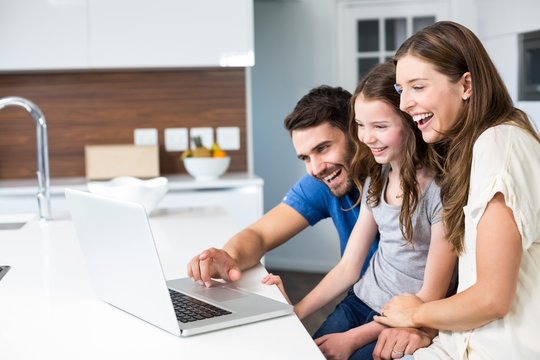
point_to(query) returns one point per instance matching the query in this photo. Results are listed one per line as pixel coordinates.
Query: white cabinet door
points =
(170, 33)
(39, 34)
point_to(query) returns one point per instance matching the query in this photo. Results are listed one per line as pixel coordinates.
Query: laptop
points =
(117, 243)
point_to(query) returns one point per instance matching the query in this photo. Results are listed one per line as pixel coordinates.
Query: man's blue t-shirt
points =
(314, 201)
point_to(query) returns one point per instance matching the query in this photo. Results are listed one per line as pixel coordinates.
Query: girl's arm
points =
(347, 270)
(498, 255)
(440, 264)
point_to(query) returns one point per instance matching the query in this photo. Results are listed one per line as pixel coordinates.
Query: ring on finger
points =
(397, 353)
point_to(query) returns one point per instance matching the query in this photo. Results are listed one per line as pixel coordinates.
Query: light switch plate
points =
(228, 138)
(176, 139)
(145, 136)
(206, 134)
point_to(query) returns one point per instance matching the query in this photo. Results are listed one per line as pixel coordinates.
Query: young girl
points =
(400, 200)
(490, 154)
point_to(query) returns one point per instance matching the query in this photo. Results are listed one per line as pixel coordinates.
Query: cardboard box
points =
(108, 161)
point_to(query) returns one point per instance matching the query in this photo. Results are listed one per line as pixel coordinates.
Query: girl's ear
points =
(466, 81)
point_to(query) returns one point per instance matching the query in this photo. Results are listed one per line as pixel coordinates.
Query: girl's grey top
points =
(397, 266)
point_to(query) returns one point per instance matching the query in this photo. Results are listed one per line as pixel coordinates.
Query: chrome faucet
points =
(43, 195)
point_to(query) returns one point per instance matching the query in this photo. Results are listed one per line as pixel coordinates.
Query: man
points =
(318, 127)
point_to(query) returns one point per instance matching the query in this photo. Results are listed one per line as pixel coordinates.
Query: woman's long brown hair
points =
(378, 84)
(454, 50)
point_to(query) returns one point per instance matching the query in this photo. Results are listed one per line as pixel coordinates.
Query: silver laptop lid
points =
(114, 240)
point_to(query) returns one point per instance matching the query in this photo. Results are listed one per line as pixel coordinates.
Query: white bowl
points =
(146, 192)
(206, 168)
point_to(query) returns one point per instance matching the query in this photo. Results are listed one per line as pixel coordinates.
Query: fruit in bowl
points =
(203, 163)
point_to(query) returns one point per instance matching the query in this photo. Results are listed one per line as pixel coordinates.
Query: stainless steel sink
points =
(11, 226)
(15, 221)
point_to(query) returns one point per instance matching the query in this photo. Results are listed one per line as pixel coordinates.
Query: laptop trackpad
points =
(220, 294)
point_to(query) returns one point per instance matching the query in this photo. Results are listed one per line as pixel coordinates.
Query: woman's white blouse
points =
(506, 159)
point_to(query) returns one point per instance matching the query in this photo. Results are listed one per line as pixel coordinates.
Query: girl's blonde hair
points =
(378, 84)
(454, 50)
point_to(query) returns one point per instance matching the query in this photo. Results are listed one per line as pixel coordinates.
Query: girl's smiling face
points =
(381, 129)
(432, 100)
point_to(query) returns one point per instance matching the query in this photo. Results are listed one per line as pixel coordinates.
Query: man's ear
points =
(466, 80)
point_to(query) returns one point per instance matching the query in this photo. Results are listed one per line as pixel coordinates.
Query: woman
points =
(490, 162)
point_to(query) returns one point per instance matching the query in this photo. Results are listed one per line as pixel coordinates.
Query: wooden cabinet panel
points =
(92, 108)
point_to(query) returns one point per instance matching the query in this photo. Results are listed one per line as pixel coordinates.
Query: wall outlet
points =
(206, 134)
(176, 139)
(145, 136)
(228, 138)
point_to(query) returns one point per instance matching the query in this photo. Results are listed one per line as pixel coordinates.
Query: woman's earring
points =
(465, 98)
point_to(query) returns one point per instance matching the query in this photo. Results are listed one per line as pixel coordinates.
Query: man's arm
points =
(245, 249)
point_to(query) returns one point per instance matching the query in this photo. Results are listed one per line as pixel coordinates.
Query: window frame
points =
(351, 11)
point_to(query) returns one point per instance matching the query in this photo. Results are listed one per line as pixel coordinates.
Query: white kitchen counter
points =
(48, 309)
(240, 193)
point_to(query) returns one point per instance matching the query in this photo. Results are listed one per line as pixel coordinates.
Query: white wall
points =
(296, 49)
(498, 28)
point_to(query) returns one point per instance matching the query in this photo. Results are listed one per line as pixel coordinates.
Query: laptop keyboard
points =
(189, 309)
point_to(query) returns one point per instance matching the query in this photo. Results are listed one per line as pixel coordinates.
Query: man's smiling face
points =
(326, 151)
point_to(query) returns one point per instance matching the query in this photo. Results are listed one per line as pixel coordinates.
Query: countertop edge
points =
(23, 187)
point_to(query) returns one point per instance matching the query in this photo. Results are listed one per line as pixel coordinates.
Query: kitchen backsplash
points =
(91, 108)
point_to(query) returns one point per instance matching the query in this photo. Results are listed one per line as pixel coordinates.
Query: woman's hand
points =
(399, 311)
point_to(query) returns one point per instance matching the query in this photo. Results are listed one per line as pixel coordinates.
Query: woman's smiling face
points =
(432, 100)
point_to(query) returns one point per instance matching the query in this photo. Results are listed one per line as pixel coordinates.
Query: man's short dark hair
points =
(322, 104)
